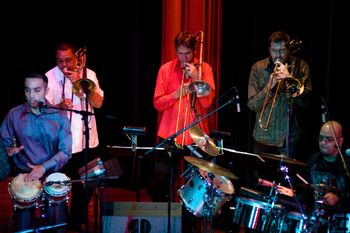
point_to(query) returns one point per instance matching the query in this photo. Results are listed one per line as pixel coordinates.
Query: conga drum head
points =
(24, 193)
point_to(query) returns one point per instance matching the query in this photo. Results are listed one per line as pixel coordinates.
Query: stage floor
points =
(109, 194)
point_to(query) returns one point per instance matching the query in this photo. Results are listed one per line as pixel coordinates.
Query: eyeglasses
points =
(278, 51)
(325, 138)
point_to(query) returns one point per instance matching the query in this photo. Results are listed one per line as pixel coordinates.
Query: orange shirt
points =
(168, 81)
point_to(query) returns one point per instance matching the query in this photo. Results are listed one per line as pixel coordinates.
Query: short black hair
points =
(38, 75)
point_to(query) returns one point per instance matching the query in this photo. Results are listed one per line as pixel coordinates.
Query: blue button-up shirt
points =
(46, 137)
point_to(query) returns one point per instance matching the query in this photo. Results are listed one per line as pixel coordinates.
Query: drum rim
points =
(27, 199)
(54, 192)
(257, 203)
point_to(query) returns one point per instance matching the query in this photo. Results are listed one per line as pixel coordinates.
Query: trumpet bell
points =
(200, 87)
(83, 86)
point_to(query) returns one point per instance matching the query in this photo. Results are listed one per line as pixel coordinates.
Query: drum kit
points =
(269, 213)
(209, 186)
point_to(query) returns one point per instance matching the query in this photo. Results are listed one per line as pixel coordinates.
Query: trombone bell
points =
(200, 87)
(293, 85)
(83, 86)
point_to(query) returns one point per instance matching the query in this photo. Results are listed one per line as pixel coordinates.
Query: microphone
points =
(323, 113)
(41, 105)
(193, 99)
(238, 107)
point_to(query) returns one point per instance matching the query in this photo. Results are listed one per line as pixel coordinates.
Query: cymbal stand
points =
(131, 133)
(284, 170)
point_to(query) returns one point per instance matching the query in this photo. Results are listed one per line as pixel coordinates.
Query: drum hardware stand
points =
(209, 204)
(219, 135)
(131, 133)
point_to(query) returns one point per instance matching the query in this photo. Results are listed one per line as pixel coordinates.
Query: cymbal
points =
(283, 158)
(210, 167)
(324, 188)
(203, 141)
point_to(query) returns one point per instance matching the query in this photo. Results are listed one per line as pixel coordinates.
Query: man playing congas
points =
(38, 143)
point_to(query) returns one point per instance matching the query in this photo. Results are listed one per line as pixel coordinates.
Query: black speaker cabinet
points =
(140, 217)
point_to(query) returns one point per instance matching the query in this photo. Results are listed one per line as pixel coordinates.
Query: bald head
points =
(327, 128)
(331, 133)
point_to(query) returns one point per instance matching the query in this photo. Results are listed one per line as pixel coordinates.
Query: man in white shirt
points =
(71, 83)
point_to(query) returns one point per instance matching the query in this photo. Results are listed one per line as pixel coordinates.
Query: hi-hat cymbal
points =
(282, 158)
(210, 167)
(203, 141)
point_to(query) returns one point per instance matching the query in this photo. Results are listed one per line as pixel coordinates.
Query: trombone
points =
(83, 85)
(198, 88)
(289, 85)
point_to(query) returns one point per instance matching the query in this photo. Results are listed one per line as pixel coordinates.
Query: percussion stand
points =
(171, 140)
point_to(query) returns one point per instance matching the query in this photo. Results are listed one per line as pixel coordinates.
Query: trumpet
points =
(83, 85)
(290, 86)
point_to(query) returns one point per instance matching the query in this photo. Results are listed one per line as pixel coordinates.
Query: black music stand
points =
(132, 133)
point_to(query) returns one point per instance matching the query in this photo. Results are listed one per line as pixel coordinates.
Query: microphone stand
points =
(170, 139)
(328, 119)
(85, 115)
(289, 112)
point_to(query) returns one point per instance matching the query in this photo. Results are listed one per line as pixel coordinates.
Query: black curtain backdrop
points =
(123, 43)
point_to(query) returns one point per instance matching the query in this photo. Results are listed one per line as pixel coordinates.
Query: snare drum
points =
(24, 194)
(199, 196)
(59, 190)
(256, 214)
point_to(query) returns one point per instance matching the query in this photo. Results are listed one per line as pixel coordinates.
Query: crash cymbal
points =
(203, 141)
(210, 167)
(282, 158)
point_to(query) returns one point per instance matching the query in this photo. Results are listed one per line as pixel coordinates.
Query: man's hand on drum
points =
(14, 150)
(37, 172)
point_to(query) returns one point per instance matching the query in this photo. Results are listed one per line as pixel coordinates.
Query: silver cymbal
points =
(210, 167)
(203, 141)
(282, 158)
